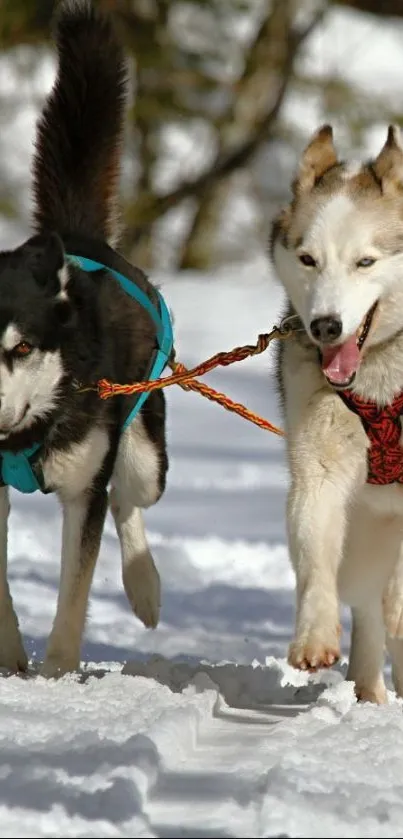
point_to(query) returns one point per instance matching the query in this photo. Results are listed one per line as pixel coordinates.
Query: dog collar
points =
(22, 470)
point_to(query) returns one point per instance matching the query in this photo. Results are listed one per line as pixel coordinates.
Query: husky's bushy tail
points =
(78, 146)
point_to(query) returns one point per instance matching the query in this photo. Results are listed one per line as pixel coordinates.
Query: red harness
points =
(384, 430)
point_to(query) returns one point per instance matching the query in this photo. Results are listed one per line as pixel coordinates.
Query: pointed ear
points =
(318, 157)
(45, 254)
(388, 166)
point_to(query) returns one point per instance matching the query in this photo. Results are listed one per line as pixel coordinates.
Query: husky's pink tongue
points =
(340, 363)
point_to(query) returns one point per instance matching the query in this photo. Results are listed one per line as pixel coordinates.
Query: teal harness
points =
(22, 470)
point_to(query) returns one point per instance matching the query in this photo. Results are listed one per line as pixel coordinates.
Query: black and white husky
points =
(60, 325)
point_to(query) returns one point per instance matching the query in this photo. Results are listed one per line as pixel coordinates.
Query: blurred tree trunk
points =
(200, 246)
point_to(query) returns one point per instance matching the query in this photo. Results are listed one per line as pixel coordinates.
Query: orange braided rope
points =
(187, 378)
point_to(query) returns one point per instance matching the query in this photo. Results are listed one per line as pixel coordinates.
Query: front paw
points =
(315, 650)
(376, 696)
(58, 662)
(54, 668)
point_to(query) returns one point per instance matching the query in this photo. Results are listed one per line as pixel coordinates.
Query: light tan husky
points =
(338, 251)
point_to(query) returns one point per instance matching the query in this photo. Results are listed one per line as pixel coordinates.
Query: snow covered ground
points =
(200, 728)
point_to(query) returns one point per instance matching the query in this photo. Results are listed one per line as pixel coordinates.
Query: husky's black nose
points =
(326, 329)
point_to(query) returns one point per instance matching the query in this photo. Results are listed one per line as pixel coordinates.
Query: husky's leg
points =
(12, 653)
(327, 455)
(83, 520)
(138, 481)
(395, 650)
(393, 600)
(367, 653)
(321, 490)
(371, 554)
(316, 521)
(140, 576)
(393, 617)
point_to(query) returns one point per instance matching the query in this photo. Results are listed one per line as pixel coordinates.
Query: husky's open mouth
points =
(340, 363)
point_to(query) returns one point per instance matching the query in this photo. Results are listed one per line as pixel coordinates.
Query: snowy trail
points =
(140, 766)
(132, 757)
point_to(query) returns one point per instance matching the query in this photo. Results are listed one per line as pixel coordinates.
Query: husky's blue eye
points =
(366, 262)
(307, 260)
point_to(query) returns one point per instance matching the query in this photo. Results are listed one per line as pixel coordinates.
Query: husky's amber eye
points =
(366, 262)
(22, 349)
(307, 260)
